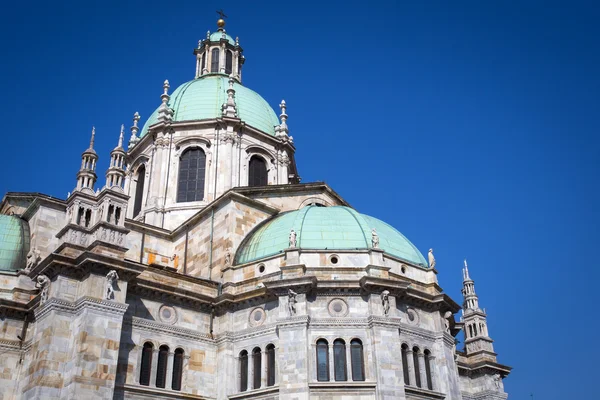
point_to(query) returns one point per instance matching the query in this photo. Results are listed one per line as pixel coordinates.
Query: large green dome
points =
(202, 98)
(14, 243)
(325, 228)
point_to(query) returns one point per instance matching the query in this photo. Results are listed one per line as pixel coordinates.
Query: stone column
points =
(432, 369)
(169, 377)
(153, 367)
(422, 372)
(263, 364)
(411, 367)
(331, 363)
(349, 362)
(250, 385)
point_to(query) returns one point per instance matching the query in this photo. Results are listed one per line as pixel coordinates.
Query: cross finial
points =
(221, 14)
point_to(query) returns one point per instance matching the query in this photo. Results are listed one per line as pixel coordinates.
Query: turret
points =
(474, 318)
(86, 177)
(116, 171)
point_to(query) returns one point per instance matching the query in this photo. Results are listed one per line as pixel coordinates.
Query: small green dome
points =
(216, 36)
(14, 242)
(202, 98)
(325, 228)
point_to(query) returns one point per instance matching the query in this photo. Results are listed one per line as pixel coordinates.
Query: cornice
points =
(154, 326)
(78, 306)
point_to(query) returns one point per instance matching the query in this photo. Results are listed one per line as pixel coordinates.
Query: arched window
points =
(270, 365)
(228, 62)
(470, 331)
(356, 358)
(428, 369)
(161, 367)
(202, 62)
(257, 175)
(146, 366)
(339, 360)
(256, 364)
(416, 364)
(322, 360)
(190, 185)
(475, 329)
(177, 370)
(214, 60)
(243, 371)
(405, 364)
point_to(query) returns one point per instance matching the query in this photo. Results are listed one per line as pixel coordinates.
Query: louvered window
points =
(339, 360)
(161, 366)
(192, 168)
(258, 172)
(146, 366)
(214, 61)
(177, 369)
(228, 62)
(322, 360)
(356, 357)
(243, 371)
(405, 364)
(270, 365)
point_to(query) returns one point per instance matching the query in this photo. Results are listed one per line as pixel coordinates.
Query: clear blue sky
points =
(470, 126)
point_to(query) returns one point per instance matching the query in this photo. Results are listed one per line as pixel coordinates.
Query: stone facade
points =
(146, 300)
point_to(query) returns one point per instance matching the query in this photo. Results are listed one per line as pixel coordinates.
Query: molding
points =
(337, 387)
(420, 393)
(77, 307)
(271, 390)
(154, 326)
(158, 393)
(302, 321)
(413, 331)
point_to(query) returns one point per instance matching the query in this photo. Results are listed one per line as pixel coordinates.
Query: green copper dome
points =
(202, 98)
(14, 243)
(216, 36)
(331, 228)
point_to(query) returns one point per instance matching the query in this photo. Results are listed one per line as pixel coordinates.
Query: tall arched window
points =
(256, 364)
(322, 360)
(428, 369)
(139, 190)
(416, 364)
(146, 366)
(470, 331)
(203, 62)
(161, 366)
(177, 369)
(405, 363)
(243, 371)
(257, 175)
(356, 358)
(214, 60)
(270, 365)
(339, 360)
(190, 183)
(228, 62)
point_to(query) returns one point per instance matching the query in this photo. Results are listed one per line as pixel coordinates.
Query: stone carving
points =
(447, 317)
(109, 291)
(43, 283)
(120, 239)
(227, 258)
(431, 259)
(112, 237)
(497, 380)
(385, 301)
(82, 239)
(337, 308)
(292, 239)
(103, 235)
(73, 237)
(257, 317)
(374, 239)
(167, 314)
(33, 258)
(292, 302)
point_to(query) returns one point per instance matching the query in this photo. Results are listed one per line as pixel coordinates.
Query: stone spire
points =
(230, 108)
(115, 174)
(474, 318)
(134, 130)
(282, 130)
(86, 177)
(165, 114)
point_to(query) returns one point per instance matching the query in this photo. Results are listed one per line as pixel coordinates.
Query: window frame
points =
(356, 344)
(340, 366)
(254, 181)
(200, 172)
(146, 363)
(322, 344)
(214, 61)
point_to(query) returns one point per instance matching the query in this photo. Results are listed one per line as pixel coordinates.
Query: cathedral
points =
(204, 269)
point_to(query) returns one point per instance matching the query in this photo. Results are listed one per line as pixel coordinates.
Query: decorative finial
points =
(92, 139)
(166, 86)
(229, 108)
(466, 271)
(134, 130)
(207, 35)
(121, 135)
(283, 127)
(199, 43)
(237, 40)
(221, 21)
(136, 118)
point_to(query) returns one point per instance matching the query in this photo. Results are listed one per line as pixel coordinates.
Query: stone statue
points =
(33, 258)
(292, 302)
(227, 258)
(374, 239)
(497, 379)
(385, 302)
(109, 291)
(431, 259)
(292, 239)
(447, 317)
(43, 283)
